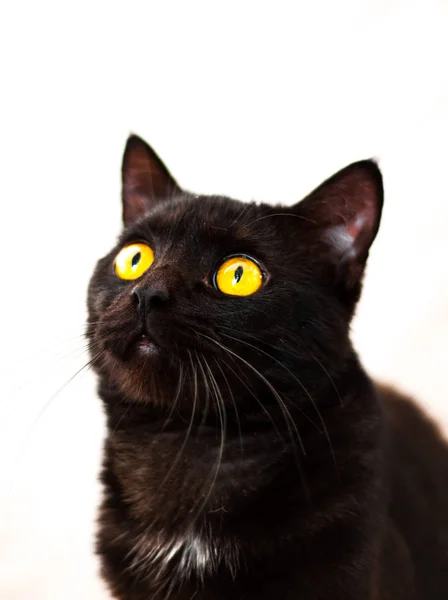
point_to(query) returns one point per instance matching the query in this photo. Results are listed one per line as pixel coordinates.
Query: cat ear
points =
(145, 179)
(345, 212)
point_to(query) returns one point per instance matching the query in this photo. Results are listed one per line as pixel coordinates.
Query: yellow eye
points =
(239, 276)
(133, 260)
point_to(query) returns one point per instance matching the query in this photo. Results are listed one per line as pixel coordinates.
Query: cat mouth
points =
(145, 344)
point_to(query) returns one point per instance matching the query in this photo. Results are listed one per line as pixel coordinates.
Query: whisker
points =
(272, 389)
(251, 392)
(177, 396)
(37, 372)
(223, 423)
(316, 408)
(235, 408)
(125, 412)
(187, 434)
(293, 354)
(329, 377)
(286, 415)
(86, 366)
(50, 400)
(293, 215)
(246, 208)
(207, 393)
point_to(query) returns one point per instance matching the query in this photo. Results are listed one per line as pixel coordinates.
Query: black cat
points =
(248, 454)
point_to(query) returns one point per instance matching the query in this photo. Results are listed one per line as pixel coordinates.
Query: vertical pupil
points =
(238, 274)
(136, 259)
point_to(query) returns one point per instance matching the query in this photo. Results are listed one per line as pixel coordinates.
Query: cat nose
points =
(150, 297)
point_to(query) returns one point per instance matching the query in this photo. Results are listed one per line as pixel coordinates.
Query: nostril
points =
(137, 297)
(146, 299)
(158, 298)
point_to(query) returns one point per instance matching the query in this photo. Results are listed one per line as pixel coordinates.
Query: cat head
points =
(205, 295)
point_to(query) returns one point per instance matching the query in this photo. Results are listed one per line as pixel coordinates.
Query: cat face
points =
(207, 295)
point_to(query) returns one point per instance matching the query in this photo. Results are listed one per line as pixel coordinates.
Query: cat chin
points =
(133, 376)
(138, 377)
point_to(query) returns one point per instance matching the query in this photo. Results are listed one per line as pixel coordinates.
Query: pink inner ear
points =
(347, 239)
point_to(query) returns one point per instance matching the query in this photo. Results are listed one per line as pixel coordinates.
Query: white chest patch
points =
(195, 553)
(181, 556)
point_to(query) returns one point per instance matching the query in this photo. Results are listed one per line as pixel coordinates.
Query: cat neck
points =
(184, 502)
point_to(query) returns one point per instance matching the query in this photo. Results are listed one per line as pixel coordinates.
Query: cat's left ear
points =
(145, 180)
(344, 213)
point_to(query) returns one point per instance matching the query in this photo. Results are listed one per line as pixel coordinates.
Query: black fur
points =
(248, 455)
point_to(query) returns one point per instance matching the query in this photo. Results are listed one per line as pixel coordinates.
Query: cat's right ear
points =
(343, 216)
(145, 180)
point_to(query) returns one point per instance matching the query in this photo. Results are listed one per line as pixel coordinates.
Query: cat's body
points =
(248, 454)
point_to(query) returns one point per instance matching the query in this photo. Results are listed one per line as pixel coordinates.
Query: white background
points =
(257, 100)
